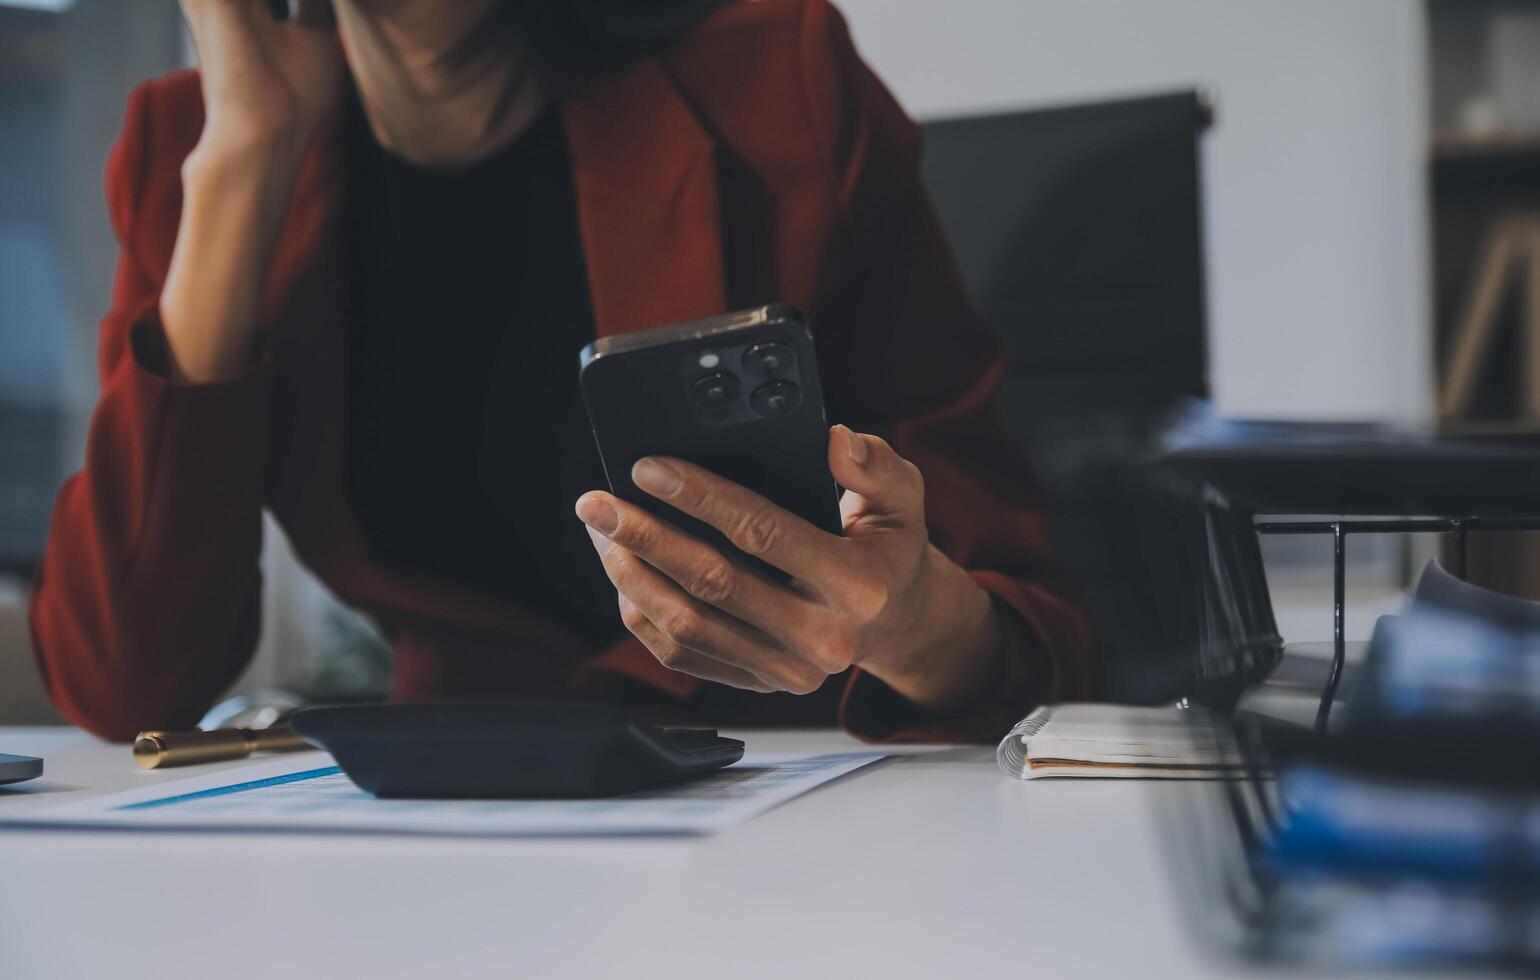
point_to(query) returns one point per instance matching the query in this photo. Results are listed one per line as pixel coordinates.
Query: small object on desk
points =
(158, 750)
(266, 707)
(1113, 740)
(509, 749)
(17, 768)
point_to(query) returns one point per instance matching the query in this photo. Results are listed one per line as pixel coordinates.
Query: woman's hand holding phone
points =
(267, 86)
(880, 597)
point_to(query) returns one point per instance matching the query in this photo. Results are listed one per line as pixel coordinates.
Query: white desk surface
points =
(933, 865)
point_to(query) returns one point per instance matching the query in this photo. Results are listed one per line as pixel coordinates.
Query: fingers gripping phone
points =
(736, 394)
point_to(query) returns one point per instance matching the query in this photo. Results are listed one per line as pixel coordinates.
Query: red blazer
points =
(147, 602)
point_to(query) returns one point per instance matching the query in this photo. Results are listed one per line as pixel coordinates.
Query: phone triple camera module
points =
(765, 385)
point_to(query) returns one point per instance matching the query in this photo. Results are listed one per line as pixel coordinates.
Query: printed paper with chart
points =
(309, 792)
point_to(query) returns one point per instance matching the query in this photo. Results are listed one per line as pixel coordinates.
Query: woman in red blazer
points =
(358, 259)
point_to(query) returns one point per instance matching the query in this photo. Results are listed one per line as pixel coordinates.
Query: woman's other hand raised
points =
(267, 83)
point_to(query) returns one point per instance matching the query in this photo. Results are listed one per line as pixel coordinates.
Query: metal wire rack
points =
(1340, 528)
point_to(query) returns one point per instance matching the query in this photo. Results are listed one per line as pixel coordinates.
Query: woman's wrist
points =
(232, 212)
(960, 640)
(266, 161)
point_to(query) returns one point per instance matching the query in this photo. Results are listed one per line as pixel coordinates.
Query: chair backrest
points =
(1079, 234)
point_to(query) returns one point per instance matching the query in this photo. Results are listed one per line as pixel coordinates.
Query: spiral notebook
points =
(1112, 741)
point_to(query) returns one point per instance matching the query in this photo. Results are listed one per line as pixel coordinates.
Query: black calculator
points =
(15, 768)
(508, 749)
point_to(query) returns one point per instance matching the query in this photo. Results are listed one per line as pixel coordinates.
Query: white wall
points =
(1316, 219)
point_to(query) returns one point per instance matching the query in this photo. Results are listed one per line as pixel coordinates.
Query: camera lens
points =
(715, 392)
(771, 359)
(776, 398)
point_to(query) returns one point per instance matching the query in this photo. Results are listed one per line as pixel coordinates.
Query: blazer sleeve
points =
(910, 359)
(147, 602)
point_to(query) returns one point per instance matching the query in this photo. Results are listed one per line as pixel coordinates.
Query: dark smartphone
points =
(736, 394)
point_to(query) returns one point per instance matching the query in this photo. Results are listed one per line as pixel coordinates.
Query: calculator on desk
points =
(508, 749)
(16, 768)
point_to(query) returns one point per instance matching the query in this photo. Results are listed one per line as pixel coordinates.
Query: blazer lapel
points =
(647, 203)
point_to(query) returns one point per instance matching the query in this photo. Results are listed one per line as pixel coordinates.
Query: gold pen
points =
(153, 750)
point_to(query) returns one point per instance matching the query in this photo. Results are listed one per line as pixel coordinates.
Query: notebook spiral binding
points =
(1011, 754)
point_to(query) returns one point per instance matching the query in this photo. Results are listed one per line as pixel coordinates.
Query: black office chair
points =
(1079, 235)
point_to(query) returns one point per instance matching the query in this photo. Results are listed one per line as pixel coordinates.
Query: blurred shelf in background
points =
(1484, 183)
